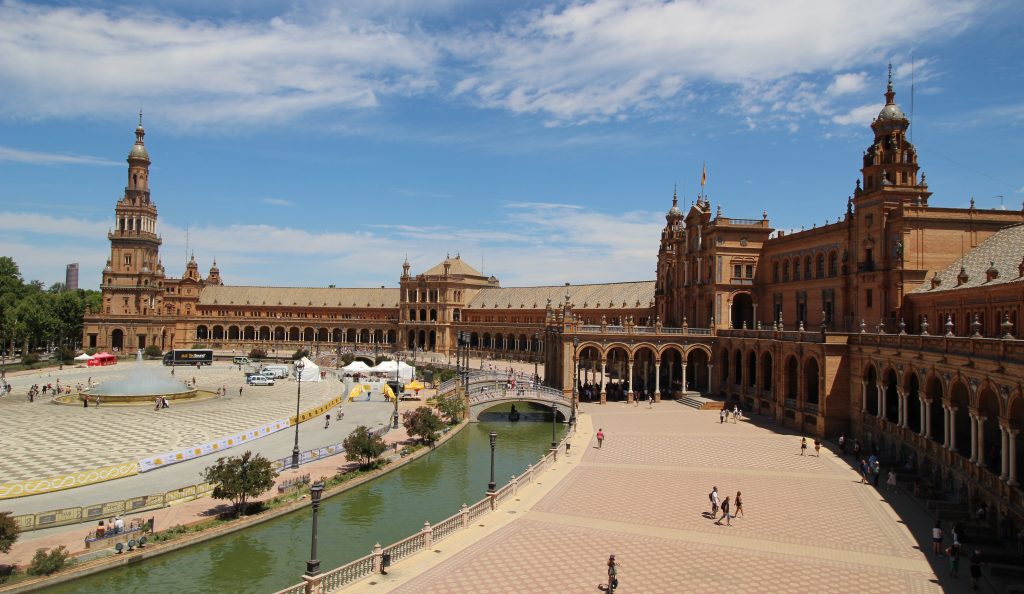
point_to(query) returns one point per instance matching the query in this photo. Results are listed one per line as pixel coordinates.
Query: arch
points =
(337, 335)
(249, 333)
(232, 332)
(218, 332)
(737, 367)
(588, 356)
(279, 333)
(933, 391)
(1015, 417)
(422, 339)
(432, 340)
(913, 412)
(766, 371)
(617, 372)
(364, 336)
(294, 335)
(792, 375)
(411, 342)
(785, 271)
(423, 315)
(510, 342)
(202, 332)
(117, 339)
(524, 343)
(819, 266)
(742, 310)
(959, 399)
(808, 271)
(487, 343)
(670, 380)
(392, 337)
(723, 366)
(796, 268)
(321, 334)
(643, 371)
(812, 378)
(751, 369)
(833, 264)
(991, 452)
(474, 340)
(892, 399)
(433, 315)
(350, 335)
(698, 376)
(871, 390)
(264, 333)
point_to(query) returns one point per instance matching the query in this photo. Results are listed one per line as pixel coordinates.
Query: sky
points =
(317, 143)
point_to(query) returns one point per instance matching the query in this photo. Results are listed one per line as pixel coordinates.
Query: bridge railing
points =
(428, 537)
(537, 393)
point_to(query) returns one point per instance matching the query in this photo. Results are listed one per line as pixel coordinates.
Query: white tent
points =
(83, 357)
(356, 367)
(405, 371)
(310, 371)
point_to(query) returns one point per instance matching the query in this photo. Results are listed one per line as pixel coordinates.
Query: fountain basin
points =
(136, 399)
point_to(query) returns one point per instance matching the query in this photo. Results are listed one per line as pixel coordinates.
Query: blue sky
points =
(316, 143)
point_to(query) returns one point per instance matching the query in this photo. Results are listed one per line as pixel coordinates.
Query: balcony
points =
(868, 266)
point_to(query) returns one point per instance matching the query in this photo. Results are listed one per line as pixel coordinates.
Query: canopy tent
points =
(84, 357)
(310, 371)
(103, 358)
(415, 386)
(405, 372)
(356, 367)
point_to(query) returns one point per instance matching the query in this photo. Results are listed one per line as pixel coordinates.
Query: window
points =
(750, 271)
(869, 298)
(832, 264)
(775, 272)
(737, 270)
(819, 269)
(796, 269)
(785, 271)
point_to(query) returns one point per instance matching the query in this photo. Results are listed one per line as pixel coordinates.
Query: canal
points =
(272, 555)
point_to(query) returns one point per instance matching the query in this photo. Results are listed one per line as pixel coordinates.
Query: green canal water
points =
(272, 555)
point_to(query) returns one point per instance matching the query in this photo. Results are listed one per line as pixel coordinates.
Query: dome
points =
(891, 112)
(139, 152)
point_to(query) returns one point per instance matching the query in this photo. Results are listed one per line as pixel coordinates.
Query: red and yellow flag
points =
(704, 175)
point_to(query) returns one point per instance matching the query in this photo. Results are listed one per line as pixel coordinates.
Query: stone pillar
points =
(629, 394)
(711, 367)
(682, 378)
(901, 394)
(974, 436)
(923, 430)
(604, 394)
(926, 418)
(1013, 457)
(883, 401)
(979, 448)
(1004, 444)
(951, 427)
(863, 396)
(945, 426)
(657, 382)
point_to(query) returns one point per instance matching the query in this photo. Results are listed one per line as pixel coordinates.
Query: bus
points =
(188, 357)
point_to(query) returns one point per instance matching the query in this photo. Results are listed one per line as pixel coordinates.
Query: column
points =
(657, 383)
(1013, 457)
(863, 396)
(604, 395)
(1004, 444)
(629, 394)
(682, 378)
(883, 397)
(711, 367)
(979, 448)
(926, 418)
(901, 407)
(974, 436)
(951, 428)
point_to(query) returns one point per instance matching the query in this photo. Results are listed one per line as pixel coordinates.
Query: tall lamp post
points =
(299, 366)
(491, 485)
(554, 417)
(398, 381)
(536, 355)
(313, 565)
(575, 378)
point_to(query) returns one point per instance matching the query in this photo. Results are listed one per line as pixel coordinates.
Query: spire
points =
(139, 148)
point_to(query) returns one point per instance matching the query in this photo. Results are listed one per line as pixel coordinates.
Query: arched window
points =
(819, 266)
(796, 269)
(833, 268)
(785, 271)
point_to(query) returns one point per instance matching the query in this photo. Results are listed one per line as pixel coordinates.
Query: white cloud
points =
(601, 59)
(276, 201)
(48, 158)
(850, 82)
(858, 115)
(66, 62)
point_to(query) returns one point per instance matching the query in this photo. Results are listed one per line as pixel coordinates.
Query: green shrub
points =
(46, 562)
(299, 354)
(152, 352)
(30, 359)
(258, 354)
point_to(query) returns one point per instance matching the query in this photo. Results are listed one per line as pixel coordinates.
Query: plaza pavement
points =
(808, 524)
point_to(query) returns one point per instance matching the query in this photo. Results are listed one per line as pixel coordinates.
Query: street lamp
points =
(398, 381)
(313, 565)
(536, 355)
(299, 366)
(491, 485)
(554, 417)
(575, 378)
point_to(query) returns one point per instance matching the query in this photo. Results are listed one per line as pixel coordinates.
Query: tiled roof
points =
(605, 296)
(458, 268)
(298, 297)
(1003, 251)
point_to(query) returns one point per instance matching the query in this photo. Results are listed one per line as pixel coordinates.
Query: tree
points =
(257, 354)
(8, 532)
(422, 423)
(453, 406)
(152, 352)
(240, 477)
(363, 447)
(299, 354)
(45, 563)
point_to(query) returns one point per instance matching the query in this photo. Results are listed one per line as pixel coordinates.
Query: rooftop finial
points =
(140, 116)
(675, 199)
(889, 86)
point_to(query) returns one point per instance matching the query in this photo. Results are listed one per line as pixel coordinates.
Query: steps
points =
(698, 402)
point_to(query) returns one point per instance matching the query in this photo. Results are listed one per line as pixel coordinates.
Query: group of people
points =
(803, 447)
(110, 527)
(159, 402)
(730, 509)
(736, 414)
(953, 552)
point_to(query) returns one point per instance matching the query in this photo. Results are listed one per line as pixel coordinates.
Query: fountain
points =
(141, 386)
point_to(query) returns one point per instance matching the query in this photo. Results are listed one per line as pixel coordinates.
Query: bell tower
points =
(133, 278)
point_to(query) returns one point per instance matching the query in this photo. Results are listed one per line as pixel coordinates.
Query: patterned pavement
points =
(808, 524)
(42, 439)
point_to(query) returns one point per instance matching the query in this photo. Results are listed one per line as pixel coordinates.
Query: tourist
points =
(713, 496)
(600, 437)
(803, 445)
(817, 447)
(239, 390)
(725, 513)
(100, 530)
(937, 537)
(156, 403)
(864, 471)
(876, 472)
(739, 505)
(735, 412)
(975, 569)
(613, 580)
(842, 444)
(96, 400)
(163, 402)
(721, 415)
(327, 421)
(953, 552)
(856, 448)
(118, 525)
(890, 481)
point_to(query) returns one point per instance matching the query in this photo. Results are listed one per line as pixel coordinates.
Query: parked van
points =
(259, 380)
(275, 371)
(240, 360)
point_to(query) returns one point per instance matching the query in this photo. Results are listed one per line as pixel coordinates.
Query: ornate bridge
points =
(489, 389)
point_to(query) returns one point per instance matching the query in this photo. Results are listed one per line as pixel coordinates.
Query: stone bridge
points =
(490, 389)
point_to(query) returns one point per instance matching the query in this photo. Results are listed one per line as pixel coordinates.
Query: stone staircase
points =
(696, 401)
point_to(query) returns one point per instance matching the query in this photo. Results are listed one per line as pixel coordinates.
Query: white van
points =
(275, 371)
(259, 380)
(240, 360)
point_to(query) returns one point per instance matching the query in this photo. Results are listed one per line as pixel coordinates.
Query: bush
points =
(8, 532)
(452, 406)
(91, 351)
(422, 423)
(30, 359)
(152, 352)
(347, 358)
(65, 355)
(240, 477)
(363, 447)
(299, 354)
(46, 562)
(258, 354)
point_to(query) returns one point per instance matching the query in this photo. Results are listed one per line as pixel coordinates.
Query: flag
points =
(704, 175)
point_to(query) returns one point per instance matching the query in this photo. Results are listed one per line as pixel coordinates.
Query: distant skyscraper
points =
(71, 277)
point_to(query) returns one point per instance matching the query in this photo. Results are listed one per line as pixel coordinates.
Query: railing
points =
(608, 329)
(427, 537)
(811, 408)
(320, 453)
(791, 403)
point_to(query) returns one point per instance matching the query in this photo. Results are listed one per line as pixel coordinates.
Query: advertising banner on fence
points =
(211, 447)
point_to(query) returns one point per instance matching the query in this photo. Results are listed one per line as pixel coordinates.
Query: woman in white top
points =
(937, 538)
(891, 480)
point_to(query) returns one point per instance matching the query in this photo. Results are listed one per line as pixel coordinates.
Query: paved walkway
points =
(808, 524)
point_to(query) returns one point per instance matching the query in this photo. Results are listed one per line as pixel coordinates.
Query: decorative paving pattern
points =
(42, 439)
(808, 525)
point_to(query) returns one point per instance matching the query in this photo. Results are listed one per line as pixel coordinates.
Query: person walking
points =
(327, 421)
(713, 496)
(937, 537)
(739, 505)
(953, 552)
(725, 514)
(721, 415)
(613, 572)
(842, 444)
(890, 480)
(600, 437)
(864, 471)
(803, 446)
(817, 447)
(975, 569)
(876, 472)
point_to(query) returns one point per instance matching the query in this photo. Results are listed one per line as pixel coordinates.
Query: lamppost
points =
(536, 355)
(575, 378)
(491, 485)
(313, 565)
(554, 417)
(398, 381)
(299, 366)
